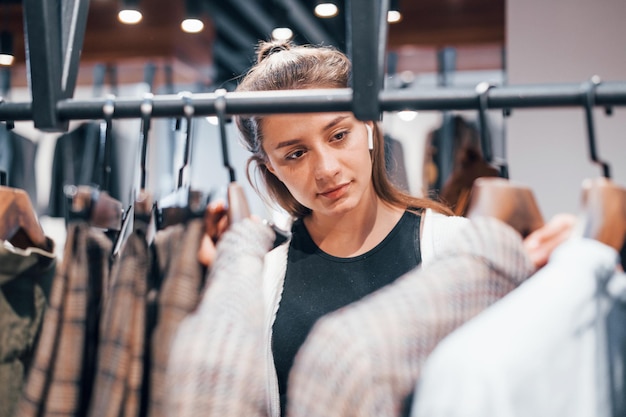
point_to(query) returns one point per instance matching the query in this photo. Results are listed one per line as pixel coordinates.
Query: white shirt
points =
(539, 351)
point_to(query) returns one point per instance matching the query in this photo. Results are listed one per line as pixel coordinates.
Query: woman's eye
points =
(340, 135)
(295, 155)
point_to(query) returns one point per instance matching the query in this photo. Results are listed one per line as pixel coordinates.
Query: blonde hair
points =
(283, 66)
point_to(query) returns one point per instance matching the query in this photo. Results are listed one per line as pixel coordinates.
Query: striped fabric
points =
(119, 377)
(217, 365)
(59, 381)
(179, 295)
(364, 359)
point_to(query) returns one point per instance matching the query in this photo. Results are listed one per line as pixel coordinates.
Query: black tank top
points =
(317, 283)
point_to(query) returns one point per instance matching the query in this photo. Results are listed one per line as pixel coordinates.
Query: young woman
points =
(354, 232)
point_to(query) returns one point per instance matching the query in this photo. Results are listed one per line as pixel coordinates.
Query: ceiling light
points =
(282, 34)
(129, 13)
(191, 25)
(281, 31)
(6, 48)
(192, 22)
(325, 9)
(394, 15)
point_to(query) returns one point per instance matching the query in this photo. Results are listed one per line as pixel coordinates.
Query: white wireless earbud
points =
(370, 137)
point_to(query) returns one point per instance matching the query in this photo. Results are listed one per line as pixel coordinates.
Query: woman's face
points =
(322, 158)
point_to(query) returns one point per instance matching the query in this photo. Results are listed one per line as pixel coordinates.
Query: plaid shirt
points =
(179, 296)
(364, 359)
(216, 366)
(119, 377)
(59, 381)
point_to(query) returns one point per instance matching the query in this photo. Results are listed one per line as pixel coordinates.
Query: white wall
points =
(554, 41)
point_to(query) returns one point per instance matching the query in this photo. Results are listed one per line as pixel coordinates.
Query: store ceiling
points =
(226, 47)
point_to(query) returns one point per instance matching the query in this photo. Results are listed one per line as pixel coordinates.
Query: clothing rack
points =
(607, 95)
(54, 41)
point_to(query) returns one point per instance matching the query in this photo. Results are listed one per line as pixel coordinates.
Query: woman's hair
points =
(283, 66)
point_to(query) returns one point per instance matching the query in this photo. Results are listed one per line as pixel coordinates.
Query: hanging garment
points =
(17, 160)
(540, 351)
(364, 359)
(394, 163)
(61, 376)
(25, 281)
(616, 332)
(78, 158)
(468, 165)
(179, 296)
(216, 365)
(119, 375)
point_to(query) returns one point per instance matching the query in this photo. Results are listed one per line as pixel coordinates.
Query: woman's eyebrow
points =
(329, 125)
(335, 121)
(286, 143)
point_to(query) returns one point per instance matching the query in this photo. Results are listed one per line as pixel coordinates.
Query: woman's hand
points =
(215, 224)
(540, 243)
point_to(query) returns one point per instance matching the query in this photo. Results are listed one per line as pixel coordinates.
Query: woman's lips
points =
(335, 192)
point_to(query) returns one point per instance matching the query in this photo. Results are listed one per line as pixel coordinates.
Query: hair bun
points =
(266, 49)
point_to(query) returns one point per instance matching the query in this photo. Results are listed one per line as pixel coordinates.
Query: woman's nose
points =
(326, 165)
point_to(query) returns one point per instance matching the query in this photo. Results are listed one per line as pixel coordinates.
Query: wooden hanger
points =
(510, 202)
(507, 201)
(98, 207)
(603, 216)
(19, 224)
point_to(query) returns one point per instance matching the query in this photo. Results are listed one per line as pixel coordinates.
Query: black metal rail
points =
(55, 31)
(608, 94)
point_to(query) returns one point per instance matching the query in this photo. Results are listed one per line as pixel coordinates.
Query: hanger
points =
(143, 206)
(603, 203)
(238, 208)
(183, 204)
(589, 95)
(603, 215)
(510, 202)
(482, 89)
(90, 203)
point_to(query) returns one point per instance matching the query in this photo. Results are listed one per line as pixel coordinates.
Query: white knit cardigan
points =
(437, 232)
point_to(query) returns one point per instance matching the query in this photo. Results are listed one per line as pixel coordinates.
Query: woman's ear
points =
(269, 167)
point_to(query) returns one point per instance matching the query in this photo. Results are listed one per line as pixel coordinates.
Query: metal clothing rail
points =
(607, 94)
(55, 30)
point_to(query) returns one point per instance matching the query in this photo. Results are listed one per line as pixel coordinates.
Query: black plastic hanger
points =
(482, 89)
(603, 214)
(510, 202)
(143, 207)
(93, 204)
(183, 204)
(144, 203)
(589, 96)
(238, 207)
(146, 116)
